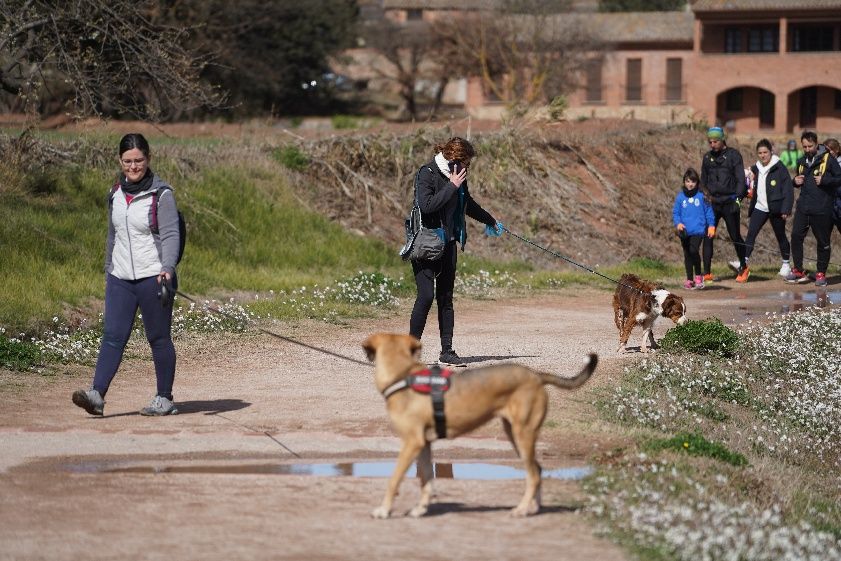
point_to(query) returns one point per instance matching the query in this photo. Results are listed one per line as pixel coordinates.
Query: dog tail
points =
(590, 363)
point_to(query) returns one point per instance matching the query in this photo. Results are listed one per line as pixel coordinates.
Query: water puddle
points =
(789, 301)
(466, 470)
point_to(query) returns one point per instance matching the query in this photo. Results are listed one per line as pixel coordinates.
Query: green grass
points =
(247, 232)
(18, 355)
(696, 445)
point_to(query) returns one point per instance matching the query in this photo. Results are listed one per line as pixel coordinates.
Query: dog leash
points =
(267, 332)
(568, 260)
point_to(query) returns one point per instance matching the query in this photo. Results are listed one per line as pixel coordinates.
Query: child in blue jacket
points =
(694, 218)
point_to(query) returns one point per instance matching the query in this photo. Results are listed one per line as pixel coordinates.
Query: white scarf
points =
(761, 188)
(442, 164)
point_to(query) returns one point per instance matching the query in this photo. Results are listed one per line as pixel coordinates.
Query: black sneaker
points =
(450, 358)
(90, 401)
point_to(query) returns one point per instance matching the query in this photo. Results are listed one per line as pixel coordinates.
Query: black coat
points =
(814, 198)
(779, 190)
(723, 176)
(438, 200)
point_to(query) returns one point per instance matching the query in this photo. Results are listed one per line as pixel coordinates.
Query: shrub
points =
(557, 107)
(344, 122)
(708, 336)
(18, 355)
(697, 445)
(292, 158)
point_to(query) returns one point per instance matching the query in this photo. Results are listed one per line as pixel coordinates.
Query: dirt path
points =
(213, 482)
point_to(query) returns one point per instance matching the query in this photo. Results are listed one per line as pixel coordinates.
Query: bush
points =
(292, 158)
(697, 445)
(557, 107)
(708, 336)
(18, 355)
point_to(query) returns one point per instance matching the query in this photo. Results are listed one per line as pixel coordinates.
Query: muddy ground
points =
(216, 482)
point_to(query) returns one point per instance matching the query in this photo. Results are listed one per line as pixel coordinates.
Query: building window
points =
(762, 40)
(674, 80)
(414, 15)
(807, 38)
(766, 109)
(733, 100)
(633, 85)
(838, 100)
(594, 81)
(732, 40)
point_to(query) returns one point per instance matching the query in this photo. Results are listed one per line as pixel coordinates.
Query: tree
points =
(265, 52)
(525, 53)
(98, 57)
(641, 5)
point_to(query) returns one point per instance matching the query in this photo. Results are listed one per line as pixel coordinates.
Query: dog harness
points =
(434, 381)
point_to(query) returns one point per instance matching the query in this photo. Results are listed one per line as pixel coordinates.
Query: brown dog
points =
(639, 302)
(510, 391)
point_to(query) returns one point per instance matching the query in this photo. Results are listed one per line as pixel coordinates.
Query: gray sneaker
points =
(90, 401)
(160, 406)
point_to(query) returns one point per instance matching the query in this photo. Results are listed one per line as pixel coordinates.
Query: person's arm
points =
(788, 192)
(429, 200)
(476, 212)
(832, 176)
(739, 173)
(109, 240)
(676, 212)
(168, 230)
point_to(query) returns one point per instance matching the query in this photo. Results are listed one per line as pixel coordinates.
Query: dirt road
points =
(259, 463)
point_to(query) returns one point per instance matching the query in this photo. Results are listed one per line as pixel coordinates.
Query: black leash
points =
(568, 260)
(267, 332)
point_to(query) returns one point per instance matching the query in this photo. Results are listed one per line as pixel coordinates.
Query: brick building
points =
(752, 65)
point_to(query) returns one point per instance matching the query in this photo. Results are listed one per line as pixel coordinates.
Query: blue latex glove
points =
(494, 231)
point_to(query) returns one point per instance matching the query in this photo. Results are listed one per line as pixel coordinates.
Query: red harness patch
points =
(424, 380)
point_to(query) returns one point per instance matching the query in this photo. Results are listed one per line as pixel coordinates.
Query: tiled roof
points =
(750, 5)
(639, 27)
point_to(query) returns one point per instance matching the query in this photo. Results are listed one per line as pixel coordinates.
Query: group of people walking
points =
(724, 185)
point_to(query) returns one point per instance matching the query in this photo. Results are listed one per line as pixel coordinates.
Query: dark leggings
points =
(122, 299)
(757, 220)
(821, 225)
(435, 280)
(730, 214)
(692, 255)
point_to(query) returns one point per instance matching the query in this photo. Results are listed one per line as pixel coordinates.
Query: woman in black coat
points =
(771, 198)
(444, 200)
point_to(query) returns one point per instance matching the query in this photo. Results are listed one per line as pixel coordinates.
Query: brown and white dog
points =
(639, 302)
(511, 392)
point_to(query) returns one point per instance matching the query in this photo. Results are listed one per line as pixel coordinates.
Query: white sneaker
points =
(785, 270)
(160, 406)
(735, 265)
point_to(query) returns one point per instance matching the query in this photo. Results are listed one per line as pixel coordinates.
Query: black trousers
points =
(435, 281)
(758, 219)
(821, 226)
(730, 213)
(692, 255)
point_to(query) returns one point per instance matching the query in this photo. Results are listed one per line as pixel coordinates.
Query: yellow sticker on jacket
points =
(773, 182)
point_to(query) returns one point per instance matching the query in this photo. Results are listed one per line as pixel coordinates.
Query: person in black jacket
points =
(818, 177)
(444, 199)
(771, 198)
(723, 177)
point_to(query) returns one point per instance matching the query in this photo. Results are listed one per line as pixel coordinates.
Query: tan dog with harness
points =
(512, 392)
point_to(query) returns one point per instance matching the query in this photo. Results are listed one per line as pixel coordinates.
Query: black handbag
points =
(422, 243)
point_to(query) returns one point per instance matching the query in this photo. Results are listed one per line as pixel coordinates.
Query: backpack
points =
(153, 226)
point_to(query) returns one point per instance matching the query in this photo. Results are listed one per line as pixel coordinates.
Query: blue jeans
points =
(122, 299)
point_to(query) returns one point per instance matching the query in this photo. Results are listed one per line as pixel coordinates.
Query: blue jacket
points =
(693, 212)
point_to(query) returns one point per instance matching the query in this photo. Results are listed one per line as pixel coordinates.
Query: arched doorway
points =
(746, 109)
(815, 107)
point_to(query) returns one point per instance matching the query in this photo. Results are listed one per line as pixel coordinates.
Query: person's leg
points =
(822, 230)
(687, 256)
(731, 220)
(444, 295)
(757, 221)
(695, 254)
(778, 224)
(120, 309)
(799, 227)
(157, 321)
(708, 245)
(425, 273)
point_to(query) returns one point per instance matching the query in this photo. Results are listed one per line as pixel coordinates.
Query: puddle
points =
(466, 470)
(791, 302)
